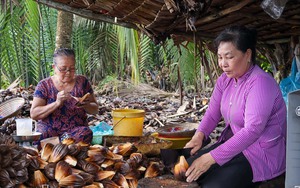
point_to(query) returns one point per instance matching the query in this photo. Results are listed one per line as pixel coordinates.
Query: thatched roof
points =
(160, 19)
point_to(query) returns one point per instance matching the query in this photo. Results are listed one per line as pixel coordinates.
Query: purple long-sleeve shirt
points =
(254, 109)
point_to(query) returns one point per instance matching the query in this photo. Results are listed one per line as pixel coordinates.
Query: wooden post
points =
(179, 84)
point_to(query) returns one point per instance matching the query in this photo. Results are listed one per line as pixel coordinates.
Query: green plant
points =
(24, 50)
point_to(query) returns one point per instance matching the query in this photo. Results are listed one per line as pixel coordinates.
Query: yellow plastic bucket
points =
(128, 122)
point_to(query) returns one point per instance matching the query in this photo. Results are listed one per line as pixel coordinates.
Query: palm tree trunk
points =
(64, 29)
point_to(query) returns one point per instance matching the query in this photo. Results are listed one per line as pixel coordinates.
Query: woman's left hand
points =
(199, 166)
(90, 105)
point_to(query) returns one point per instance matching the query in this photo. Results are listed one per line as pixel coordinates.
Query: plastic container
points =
(99, 131)
(128, 122)
(98, 138)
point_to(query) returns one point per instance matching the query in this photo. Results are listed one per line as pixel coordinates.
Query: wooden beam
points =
(280, 34)
(223, 12)
(279, 41)
(268, 18)
(87, 14)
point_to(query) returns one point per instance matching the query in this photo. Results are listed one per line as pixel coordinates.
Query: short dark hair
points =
(242, 37)
(63, 52)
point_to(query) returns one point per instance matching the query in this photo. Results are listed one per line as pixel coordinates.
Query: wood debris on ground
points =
(162, 108)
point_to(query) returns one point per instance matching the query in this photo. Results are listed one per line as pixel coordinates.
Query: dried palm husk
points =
(70, 160)
(133, 174)
(4, 177)
(20, 164)
(83, 144)
(141, 169)
(42, 163)
(96, 146)
(152, 170)
(107, 163)
(137, 157)
(89, 178)
(22, 172)
(74, 149)
(135, 160)
(74, 180)
(95, 156)
(95, 185)
(59, 151)
(46, 151)
(133, 183)
(68, 141)
(16, 153)
(11, 183)
(120, 180)
(180, 169)
(34, 164)
(62, 170)
(39, 179)
(6, 160)
(98, 159)
(104, 174)
(92, 186)
(107, 183)
(122, 167)
(53, 184)
(50, 171)
(88, 166)
(83, 153)
(76, 171)
(31, 151)
(113, 156)
(122, 149)
(22, 186)
(21, 179)
(96, 149)
(7, 140)
(12, 172)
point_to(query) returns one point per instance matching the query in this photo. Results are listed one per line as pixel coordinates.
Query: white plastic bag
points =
(273, 7)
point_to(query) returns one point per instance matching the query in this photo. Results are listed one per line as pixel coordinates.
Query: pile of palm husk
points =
(70, 164)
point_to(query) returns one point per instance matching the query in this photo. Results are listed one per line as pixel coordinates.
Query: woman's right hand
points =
(62, 96)
(196, 142)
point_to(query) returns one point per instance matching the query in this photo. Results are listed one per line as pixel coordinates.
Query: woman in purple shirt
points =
(252, 147)
(55, 102)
